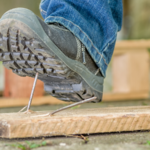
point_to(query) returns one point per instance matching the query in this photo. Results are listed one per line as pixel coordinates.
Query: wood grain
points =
(81, 121)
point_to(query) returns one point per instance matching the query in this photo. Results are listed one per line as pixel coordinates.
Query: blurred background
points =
(136, 26)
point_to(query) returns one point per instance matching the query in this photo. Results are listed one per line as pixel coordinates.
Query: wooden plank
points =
(81, 121)
(13, 102)
(132, 44)
(125, 96)
(49, 100)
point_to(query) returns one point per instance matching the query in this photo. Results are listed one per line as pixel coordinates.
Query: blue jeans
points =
(94, 22)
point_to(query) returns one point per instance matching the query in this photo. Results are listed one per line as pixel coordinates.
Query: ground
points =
(114, 141)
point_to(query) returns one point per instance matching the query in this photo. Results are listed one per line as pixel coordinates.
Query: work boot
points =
(28, 45)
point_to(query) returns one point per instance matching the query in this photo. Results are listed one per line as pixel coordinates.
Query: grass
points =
(86, 140)
(29, 145)
(75, 107)
(148, 143)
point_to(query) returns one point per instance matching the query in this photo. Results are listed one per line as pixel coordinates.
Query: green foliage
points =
(144, 104)
(86, 140)
(20, 146)
(44, 143)
(148, 50)
(28, 145)
(148, 143)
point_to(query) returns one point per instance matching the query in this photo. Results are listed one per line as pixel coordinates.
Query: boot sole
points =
(26, 49)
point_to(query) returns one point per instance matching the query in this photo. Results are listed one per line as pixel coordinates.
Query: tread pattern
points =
(25, 56)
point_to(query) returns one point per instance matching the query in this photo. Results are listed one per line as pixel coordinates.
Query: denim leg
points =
(94, 22)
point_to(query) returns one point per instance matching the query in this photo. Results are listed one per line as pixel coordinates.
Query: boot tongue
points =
(61, 37)
(64, 40)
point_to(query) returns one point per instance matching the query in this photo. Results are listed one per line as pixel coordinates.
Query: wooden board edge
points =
(76, 122)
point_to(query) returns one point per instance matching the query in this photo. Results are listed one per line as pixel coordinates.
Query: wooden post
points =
(130, 71)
